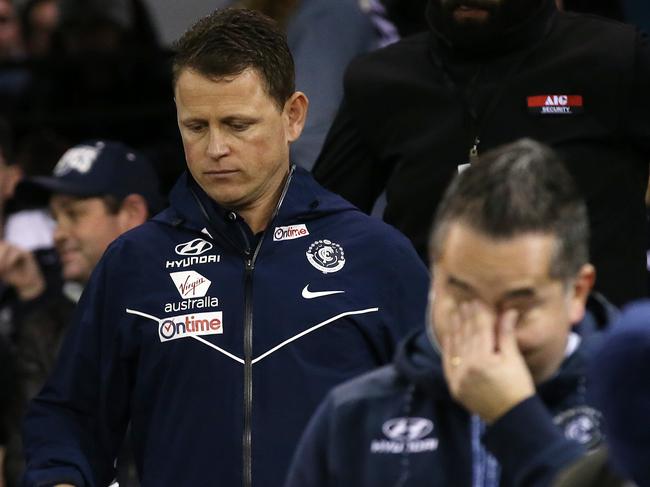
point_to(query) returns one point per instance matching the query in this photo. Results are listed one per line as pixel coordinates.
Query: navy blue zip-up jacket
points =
(218, 349)
(398, 427)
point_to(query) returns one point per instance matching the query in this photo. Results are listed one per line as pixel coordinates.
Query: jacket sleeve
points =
(346, 164)
(529, 446)
(406, 294)
(638, 121)
(310, 465)
(74, 427)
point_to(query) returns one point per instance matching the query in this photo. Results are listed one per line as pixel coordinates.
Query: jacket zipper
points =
(250, 258)
(248, 371)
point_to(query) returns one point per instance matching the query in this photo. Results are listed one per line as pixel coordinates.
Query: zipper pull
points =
(473, 151)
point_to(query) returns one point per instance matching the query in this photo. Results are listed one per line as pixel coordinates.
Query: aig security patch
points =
(555, 104)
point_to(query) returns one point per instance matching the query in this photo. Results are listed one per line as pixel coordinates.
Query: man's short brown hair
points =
(231, 40)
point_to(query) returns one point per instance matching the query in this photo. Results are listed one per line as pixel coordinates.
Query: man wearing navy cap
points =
(98, 191)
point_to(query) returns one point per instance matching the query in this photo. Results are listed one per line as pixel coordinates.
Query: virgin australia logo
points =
(190, 284)
(197, 246)
(405, 434)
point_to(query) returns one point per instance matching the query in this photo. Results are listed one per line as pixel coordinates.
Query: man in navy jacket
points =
(492, 393)
(217, 327)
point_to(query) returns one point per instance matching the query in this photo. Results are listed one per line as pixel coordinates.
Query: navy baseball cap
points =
(100, 168)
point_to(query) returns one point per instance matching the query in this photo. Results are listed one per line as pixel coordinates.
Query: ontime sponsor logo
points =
(290, 233)
(189, 325)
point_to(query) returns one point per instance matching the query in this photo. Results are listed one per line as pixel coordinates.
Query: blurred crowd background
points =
(72, 70)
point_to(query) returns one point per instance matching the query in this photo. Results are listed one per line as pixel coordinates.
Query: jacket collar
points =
(303, 199)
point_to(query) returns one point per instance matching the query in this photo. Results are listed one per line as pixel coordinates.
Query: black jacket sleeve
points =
(346, 164)
(637, 120)
(8, 388)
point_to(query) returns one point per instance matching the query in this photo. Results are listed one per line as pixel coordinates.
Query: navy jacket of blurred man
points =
(492, 71)
(218, 326)
(492, 393)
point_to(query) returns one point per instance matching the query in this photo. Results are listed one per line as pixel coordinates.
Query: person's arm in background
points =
(347, 166)
(324, 37)
(8, 398)
(637, 123)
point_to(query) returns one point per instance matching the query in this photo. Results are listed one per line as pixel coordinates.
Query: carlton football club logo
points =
(326, 256)
(581, 424)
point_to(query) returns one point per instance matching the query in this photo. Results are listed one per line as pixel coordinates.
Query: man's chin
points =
(472, 35)
(74, 272)
(468, 16)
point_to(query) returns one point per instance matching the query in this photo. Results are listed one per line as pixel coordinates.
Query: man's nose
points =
(218, 144)
(60, 232)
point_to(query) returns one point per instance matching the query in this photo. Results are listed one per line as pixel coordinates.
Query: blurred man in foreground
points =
(492, 393)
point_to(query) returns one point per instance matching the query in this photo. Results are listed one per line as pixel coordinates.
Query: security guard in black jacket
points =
(489, 72)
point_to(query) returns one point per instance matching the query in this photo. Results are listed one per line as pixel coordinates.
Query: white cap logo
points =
(78, 159)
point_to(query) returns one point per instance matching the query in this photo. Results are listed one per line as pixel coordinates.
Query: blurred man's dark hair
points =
(519, 188)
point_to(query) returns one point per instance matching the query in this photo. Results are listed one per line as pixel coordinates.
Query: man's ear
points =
(133, 212)
(10, 179)
(579, 292)
(295, 112)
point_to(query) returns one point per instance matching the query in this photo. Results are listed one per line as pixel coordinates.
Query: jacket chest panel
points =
(298, 286)
(313, 283)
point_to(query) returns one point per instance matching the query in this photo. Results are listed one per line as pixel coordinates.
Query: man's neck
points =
(258, 215)
(550, 369)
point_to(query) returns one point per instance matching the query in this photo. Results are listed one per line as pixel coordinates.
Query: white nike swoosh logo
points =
(307, 294)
